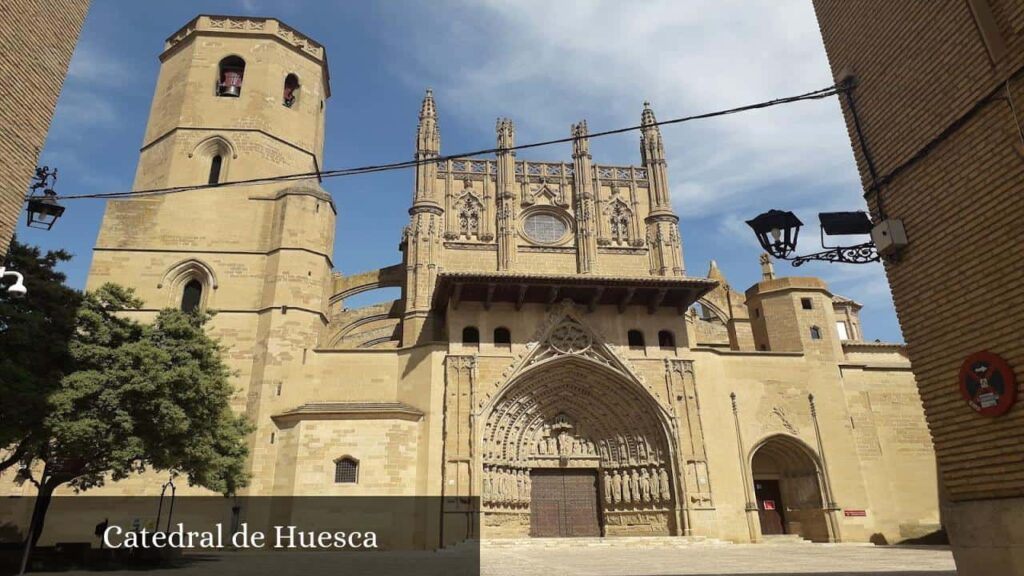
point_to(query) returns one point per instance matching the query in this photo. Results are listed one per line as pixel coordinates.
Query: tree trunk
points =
(35, 529)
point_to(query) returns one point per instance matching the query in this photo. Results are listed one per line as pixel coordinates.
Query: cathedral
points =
(551, 368)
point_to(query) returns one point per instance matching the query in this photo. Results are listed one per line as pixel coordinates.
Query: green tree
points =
(34, 356)
(130, 397)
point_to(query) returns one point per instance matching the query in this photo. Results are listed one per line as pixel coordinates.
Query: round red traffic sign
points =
(987, 383)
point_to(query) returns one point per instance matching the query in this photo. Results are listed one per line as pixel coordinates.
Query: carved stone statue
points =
(641, 448)
(645, 485)
(655, 486)
(526, 486)
(634, 485)
(607, 487)
(666, 493)
(487, 484)
(616, 487)
(627, 493)
(623, 452)
(520, 494)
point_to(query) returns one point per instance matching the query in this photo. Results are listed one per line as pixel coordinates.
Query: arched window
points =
(470, 335)
(619, 223)
(635, 338)
(502, 337)
(291, 90)
(229, 82)
(666, 339)
(215, 164)
(815, 333)
(346, 470)
(191, 296)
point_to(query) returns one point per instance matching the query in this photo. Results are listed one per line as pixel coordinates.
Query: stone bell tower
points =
(237, 99)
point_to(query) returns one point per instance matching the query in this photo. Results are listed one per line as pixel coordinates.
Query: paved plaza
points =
(802, 559)
(531, 558)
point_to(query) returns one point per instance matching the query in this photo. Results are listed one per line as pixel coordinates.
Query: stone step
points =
(771, 539)
(606, 542)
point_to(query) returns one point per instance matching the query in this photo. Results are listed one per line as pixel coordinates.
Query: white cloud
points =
(550, 63)
(94, 66)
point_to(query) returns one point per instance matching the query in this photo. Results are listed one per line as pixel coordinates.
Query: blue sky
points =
(543, 64)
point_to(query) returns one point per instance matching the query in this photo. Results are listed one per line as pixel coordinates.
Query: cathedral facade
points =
(551, 368)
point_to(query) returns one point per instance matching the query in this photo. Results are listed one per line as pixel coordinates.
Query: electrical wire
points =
(342, 172)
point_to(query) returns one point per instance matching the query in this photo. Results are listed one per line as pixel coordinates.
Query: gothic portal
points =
(575, 445)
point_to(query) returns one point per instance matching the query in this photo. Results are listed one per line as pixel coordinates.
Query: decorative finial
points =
(647, 118)
(767, 270)
(427, 109)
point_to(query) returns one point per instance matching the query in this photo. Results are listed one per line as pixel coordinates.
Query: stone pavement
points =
(710, 557)
(581, 558)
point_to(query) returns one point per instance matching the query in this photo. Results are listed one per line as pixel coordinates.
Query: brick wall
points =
(921, 67)
(37, 38)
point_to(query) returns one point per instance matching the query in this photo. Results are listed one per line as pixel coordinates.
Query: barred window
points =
(346, 471)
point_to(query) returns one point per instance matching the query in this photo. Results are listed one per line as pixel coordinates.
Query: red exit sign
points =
(855, 513)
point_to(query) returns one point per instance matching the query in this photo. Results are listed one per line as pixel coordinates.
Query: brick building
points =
(37, 38)
(939, 95)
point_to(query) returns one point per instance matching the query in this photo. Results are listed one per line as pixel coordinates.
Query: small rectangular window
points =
(805, 303)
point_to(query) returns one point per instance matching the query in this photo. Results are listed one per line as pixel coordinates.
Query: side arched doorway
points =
(574, 448)
(788, 489)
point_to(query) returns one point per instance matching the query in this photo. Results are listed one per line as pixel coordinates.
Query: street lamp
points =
(784, 227)
(18, 288)
(43, 210)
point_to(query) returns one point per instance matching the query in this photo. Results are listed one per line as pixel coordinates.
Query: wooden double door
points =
(563, 503)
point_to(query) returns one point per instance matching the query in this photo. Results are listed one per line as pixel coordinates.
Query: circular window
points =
(544, 228)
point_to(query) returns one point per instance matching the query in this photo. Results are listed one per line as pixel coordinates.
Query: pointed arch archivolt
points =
(608, 420)
(212, 146)
(177, 276)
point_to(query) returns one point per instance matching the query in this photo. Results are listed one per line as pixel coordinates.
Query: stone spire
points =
(586, 212)
(652, 152)
(767, 270)
(506, 196)
(666, 246)
(714, 273)
(428, 135)
(580, 144)
(428, 145)
(423, 238)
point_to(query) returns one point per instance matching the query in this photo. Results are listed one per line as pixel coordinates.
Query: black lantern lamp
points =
(777, 232)
(43, 209)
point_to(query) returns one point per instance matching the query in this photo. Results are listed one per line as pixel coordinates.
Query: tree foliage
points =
(91, 395)
(34, 356)
(143, 396)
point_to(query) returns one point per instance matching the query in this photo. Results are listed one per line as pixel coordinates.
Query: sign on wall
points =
(987, 383)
